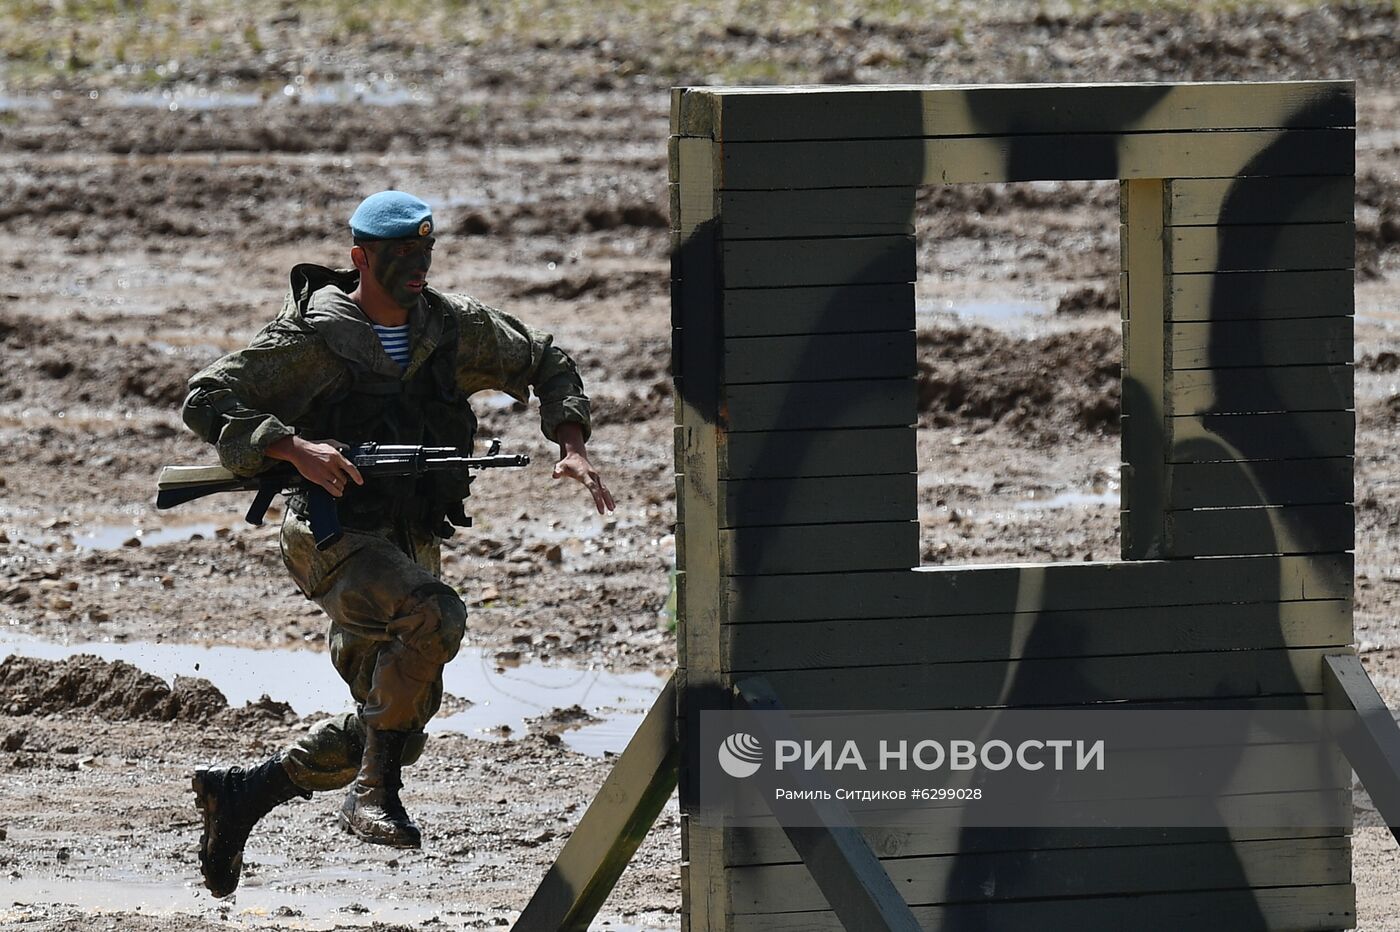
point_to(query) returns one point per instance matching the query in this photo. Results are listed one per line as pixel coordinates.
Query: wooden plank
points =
(825, 212)
(1257, 390)
(1280, 482)
(694, 111)
(906, 834)
(821, 405)
(1038, 587)
(865, 112)
(825, 357)
(1274, 529)
(833, 500)
(792, 453)
(619, 817)
(855, 260)
(1302, 341)
(1294, 247)
(1053, 682)
(1260, 295)
(1073, 872)
(795, 645)
(845, 163)
(837, 862)
(1219, 201)
(1144, 366)
(820, 548)
(1279, 909)
(821, 309)
(1297, 435)
(701, 601)
(1372, 744)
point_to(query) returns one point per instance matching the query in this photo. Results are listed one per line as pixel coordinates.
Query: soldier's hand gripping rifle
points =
(179, 484)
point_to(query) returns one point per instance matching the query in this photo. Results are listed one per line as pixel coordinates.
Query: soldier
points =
(358, 355)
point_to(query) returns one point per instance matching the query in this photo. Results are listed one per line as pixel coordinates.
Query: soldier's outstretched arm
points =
(574, 464)
(498, 351)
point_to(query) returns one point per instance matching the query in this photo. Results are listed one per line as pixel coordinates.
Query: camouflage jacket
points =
(306, 358)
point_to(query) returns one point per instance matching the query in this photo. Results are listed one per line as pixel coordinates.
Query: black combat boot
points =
(373, 810)
(232, 800)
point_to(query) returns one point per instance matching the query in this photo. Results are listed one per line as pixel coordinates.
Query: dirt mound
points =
(975, 376)
(112, 690)
(1088, 299)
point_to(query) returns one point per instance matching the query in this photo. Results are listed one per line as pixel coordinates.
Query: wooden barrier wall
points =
(793, 297)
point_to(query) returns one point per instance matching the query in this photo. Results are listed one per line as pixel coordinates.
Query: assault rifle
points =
(179, 484)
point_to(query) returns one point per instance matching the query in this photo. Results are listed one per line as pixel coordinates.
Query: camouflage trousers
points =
(394, 626)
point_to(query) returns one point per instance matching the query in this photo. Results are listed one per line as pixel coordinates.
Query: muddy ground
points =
(152, 199)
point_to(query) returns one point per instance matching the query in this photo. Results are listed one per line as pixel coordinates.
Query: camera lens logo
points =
(740, 755)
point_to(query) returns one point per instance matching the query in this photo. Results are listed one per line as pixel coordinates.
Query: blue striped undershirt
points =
(395, 340)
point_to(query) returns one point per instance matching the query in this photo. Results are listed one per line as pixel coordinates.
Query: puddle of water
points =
(305, 680)
(1070, 500)
(201, 99)
(254, 903)
(8, 102)
(987, 311)
(112, 536)
(378, 94)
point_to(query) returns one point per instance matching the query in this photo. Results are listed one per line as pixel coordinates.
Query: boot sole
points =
(204, 802)
(349, 829)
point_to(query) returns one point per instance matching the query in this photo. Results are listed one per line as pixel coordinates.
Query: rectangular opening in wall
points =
(1019, 363)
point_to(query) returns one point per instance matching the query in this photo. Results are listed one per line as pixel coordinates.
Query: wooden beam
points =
(1263, 389)
(1260, 343)
(1264, 482)
(1062, 873)
(1054, 682)
(1265, 248)
(825, 500)
(824, 357)
(827, 112)
(794, 453)
(820, 309)
(820, 548)
(799, 406)
(1260, 295)
(700, 594)
(1273, 529)
(1304, 341)
(856, 260)
(844, 163)
(614, 825)
(800, 645)
(1145, 372)
(902, 836)
(844, 870)
(1282, 909)
(1372, 742)
(824, 212)
(1293, 435)
(1217, 201)
(935, 591)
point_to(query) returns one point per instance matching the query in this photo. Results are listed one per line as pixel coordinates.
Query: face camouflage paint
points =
(401, 268)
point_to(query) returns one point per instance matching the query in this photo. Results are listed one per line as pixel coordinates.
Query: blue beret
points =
(391, 215)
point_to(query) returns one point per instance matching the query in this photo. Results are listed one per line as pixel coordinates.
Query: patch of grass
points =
(37, 34)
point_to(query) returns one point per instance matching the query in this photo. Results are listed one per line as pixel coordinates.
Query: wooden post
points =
(838, 857)
(617, 820)
(1372, 745)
